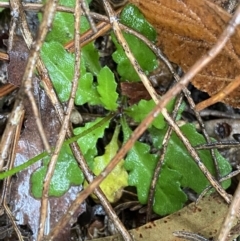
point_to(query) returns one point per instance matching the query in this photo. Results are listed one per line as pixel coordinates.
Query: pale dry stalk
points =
(26, 86)
(7, 181)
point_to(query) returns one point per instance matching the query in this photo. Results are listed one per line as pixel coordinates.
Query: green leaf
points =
(139, 111)
(66, 173)
(114, 183)
(60, 65)
(63, 31)
(133, 18)
(141, 164)
(178, 171)
(88, 142)
(89, 52)
(91, 57)
(87, 91)
(179, 159)
(107, 89)
(63, 25)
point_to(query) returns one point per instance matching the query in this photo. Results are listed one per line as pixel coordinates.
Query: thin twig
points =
(189, 236)
(12, 29)
(33, 56)
(7, 182)
(218, 145)
(227, 177)
(9, 132)
(4, 56)
(158, 167)
(62, 133)
(220, 95)
(89, 36)
(10, 128)
(231, 217)
(217, 113)
(18, 12)
(85, 9)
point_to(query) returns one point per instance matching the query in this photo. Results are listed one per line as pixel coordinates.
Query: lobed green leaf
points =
(178, 158)
(88, 142)
(133, 18)
(169, 196)
(139, 111)
(60, 65)
(66, 173)
(178, 171)
(87, 91)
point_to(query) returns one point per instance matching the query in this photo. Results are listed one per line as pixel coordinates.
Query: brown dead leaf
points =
(204, 219)
(26, 208)
(17, 61)
(134, 91)
(187, 29)
(160, 78)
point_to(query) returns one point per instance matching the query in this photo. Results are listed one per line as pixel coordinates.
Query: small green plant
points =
(97, 86)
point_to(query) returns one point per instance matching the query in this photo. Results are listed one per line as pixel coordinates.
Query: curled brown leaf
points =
(187, 29)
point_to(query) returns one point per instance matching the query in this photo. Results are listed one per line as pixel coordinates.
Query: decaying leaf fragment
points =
(187, 29)
(134, 91)
(18, 60)
(204, 219)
